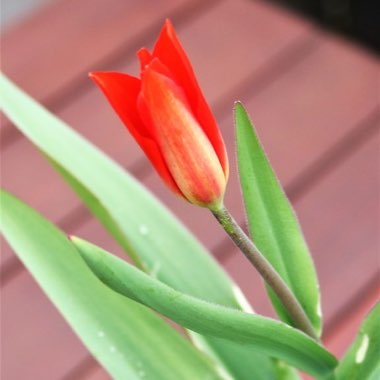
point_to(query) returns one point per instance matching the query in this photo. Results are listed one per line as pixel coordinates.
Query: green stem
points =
(266, 270)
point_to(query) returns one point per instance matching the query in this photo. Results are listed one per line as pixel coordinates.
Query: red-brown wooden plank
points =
(97, 373)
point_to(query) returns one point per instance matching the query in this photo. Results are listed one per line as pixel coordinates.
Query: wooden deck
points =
(314, 98)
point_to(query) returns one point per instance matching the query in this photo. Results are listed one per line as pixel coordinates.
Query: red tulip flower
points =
(166, 113)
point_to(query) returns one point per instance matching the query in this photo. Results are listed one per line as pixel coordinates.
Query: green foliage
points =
(272, 222)
(129, 340)
(266, 335)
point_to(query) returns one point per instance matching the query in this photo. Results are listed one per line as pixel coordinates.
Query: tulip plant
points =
(114, 306)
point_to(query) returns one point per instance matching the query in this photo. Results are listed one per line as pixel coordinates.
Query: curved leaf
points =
(147, 231)
(362, 360)
(271, 337)
(129, 340)
(273, 224)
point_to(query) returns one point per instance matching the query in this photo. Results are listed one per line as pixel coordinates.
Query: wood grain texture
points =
(307, 92)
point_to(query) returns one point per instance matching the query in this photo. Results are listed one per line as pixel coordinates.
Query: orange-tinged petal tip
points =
(98, 77)
(144, 57)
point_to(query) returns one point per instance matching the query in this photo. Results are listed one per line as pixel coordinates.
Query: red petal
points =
(122, 91)
(187, 151)
(144, 57)
(170, 52)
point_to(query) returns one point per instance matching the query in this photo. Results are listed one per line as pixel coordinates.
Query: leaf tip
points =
(238, 105)
(240, 111)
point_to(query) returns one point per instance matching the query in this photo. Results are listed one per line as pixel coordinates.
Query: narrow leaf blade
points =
(272, 222)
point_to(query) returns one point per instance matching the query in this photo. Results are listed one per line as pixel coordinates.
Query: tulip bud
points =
(166, 113)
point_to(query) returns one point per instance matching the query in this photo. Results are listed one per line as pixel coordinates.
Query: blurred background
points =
(307, 71)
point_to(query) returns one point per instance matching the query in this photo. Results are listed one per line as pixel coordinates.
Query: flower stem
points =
(266, 270)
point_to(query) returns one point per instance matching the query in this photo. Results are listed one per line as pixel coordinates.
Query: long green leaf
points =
(272, 222)
(149, 233)
(266, 335)
(129, 340)
(362, 360)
